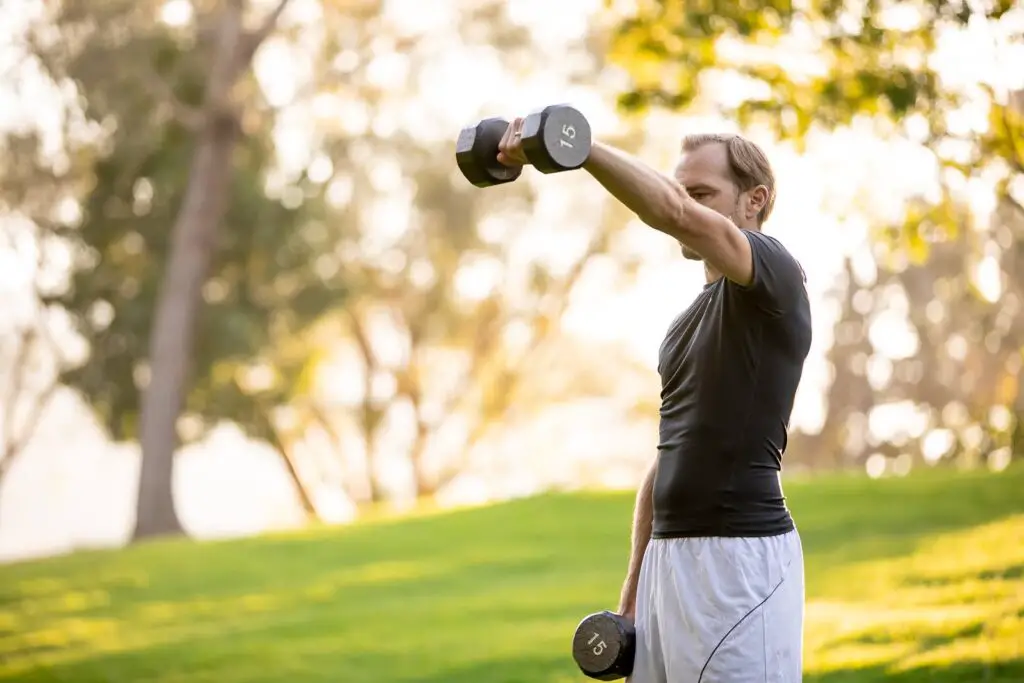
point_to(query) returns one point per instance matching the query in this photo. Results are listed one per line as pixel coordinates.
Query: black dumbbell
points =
(604, 646)
(476, 153)
(556, 138)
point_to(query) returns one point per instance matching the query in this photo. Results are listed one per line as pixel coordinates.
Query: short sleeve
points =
(779, 281)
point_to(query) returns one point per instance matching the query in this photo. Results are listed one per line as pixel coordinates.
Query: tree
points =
(443, 364)
(820, 66)
(34, 348)
(291, 255)
(188, 275)
(30, 359)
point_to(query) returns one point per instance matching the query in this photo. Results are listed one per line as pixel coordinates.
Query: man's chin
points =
(690, 254)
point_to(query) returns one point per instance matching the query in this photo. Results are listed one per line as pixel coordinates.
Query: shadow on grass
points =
(963, 672)
(1010, 573)
(329, 665)
(853, 519)
(531, 669)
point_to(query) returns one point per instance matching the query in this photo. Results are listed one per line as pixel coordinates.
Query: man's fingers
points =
(517, 133)
(512, 135)
(510, 151)
(506, 139)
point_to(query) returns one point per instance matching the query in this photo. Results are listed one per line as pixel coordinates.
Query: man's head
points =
(728, 174)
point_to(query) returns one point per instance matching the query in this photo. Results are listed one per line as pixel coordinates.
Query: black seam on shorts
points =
(734, 627)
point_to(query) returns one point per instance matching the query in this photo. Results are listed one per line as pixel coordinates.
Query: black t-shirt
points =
(730, 366)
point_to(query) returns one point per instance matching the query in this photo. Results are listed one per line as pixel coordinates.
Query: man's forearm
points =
(643, 521)
(655, 198)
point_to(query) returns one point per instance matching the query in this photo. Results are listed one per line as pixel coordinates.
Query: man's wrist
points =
(598, 151)
(627, 599)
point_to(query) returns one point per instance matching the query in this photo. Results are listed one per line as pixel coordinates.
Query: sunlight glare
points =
(999, 459)
(280, 70)
(550, 25)
(339, 192)
(422, 273)
(890, 332)
(320, 169)
(411, 17)
(352, 117)
(988, 277)
(388, 71)
(936, 444)
(479, 65)
(903, 17)
(391, 218)
(478, 277)
(1000, 417)
(176, 12)
(875, 465)
(890, 421)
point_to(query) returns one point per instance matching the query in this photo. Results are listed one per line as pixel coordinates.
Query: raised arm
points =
(659, 201)
(663, 204)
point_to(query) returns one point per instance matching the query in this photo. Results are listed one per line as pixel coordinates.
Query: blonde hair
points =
(748, 164)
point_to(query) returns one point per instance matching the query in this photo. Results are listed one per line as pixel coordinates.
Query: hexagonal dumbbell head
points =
(476, 153)
(556, 138)
(604, 646)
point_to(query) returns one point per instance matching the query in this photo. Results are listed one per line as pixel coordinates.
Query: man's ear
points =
(756, 200)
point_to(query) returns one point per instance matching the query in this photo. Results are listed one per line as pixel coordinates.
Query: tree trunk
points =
(14, 440)
(1017, 435)
(301, 490)
(194, 238)
(426, 485)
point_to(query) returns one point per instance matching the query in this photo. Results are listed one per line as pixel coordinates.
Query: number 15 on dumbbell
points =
(556, 138)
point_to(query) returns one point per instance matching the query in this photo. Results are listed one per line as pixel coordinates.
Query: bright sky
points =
(89, 493)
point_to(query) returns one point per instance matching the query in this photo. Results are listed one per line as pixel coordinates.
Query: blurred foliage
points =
(814, 64)
(817, 66)
(342, 211)
(187, 278)
(260, 293)
(465, 356)
(30, 358)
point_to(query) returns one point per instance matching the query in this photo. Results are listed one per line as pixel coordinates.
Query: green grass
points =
(917, 579)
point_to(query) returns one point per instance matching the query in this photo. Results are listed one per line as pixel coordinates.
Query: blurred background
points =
(247, 293)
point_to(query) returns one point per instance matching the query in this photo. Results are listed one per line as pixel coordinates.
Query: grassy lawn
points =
(916, 579)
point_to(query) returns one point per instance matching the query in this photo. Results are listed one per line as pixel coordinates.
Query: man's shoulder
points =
(771, 250)
(770, 243)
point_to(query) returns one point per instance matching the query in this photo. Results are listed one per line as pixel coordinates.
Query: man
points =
(715, 582)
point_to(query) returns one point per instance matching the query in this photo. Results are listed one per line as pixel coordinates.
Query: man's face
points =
(704, 173)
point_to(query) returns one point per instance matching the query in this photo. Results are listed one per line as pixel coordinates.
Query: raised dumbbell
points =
(556, 138)
(604, 646)
(476, 153)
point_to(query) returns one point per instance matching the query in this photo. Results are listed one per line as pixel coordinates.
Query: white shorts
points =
(720, 610)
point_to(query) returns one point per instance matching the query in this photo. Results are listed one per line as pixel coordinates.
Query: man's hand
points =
(627, 601)
(510, 149)
(628, 612)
